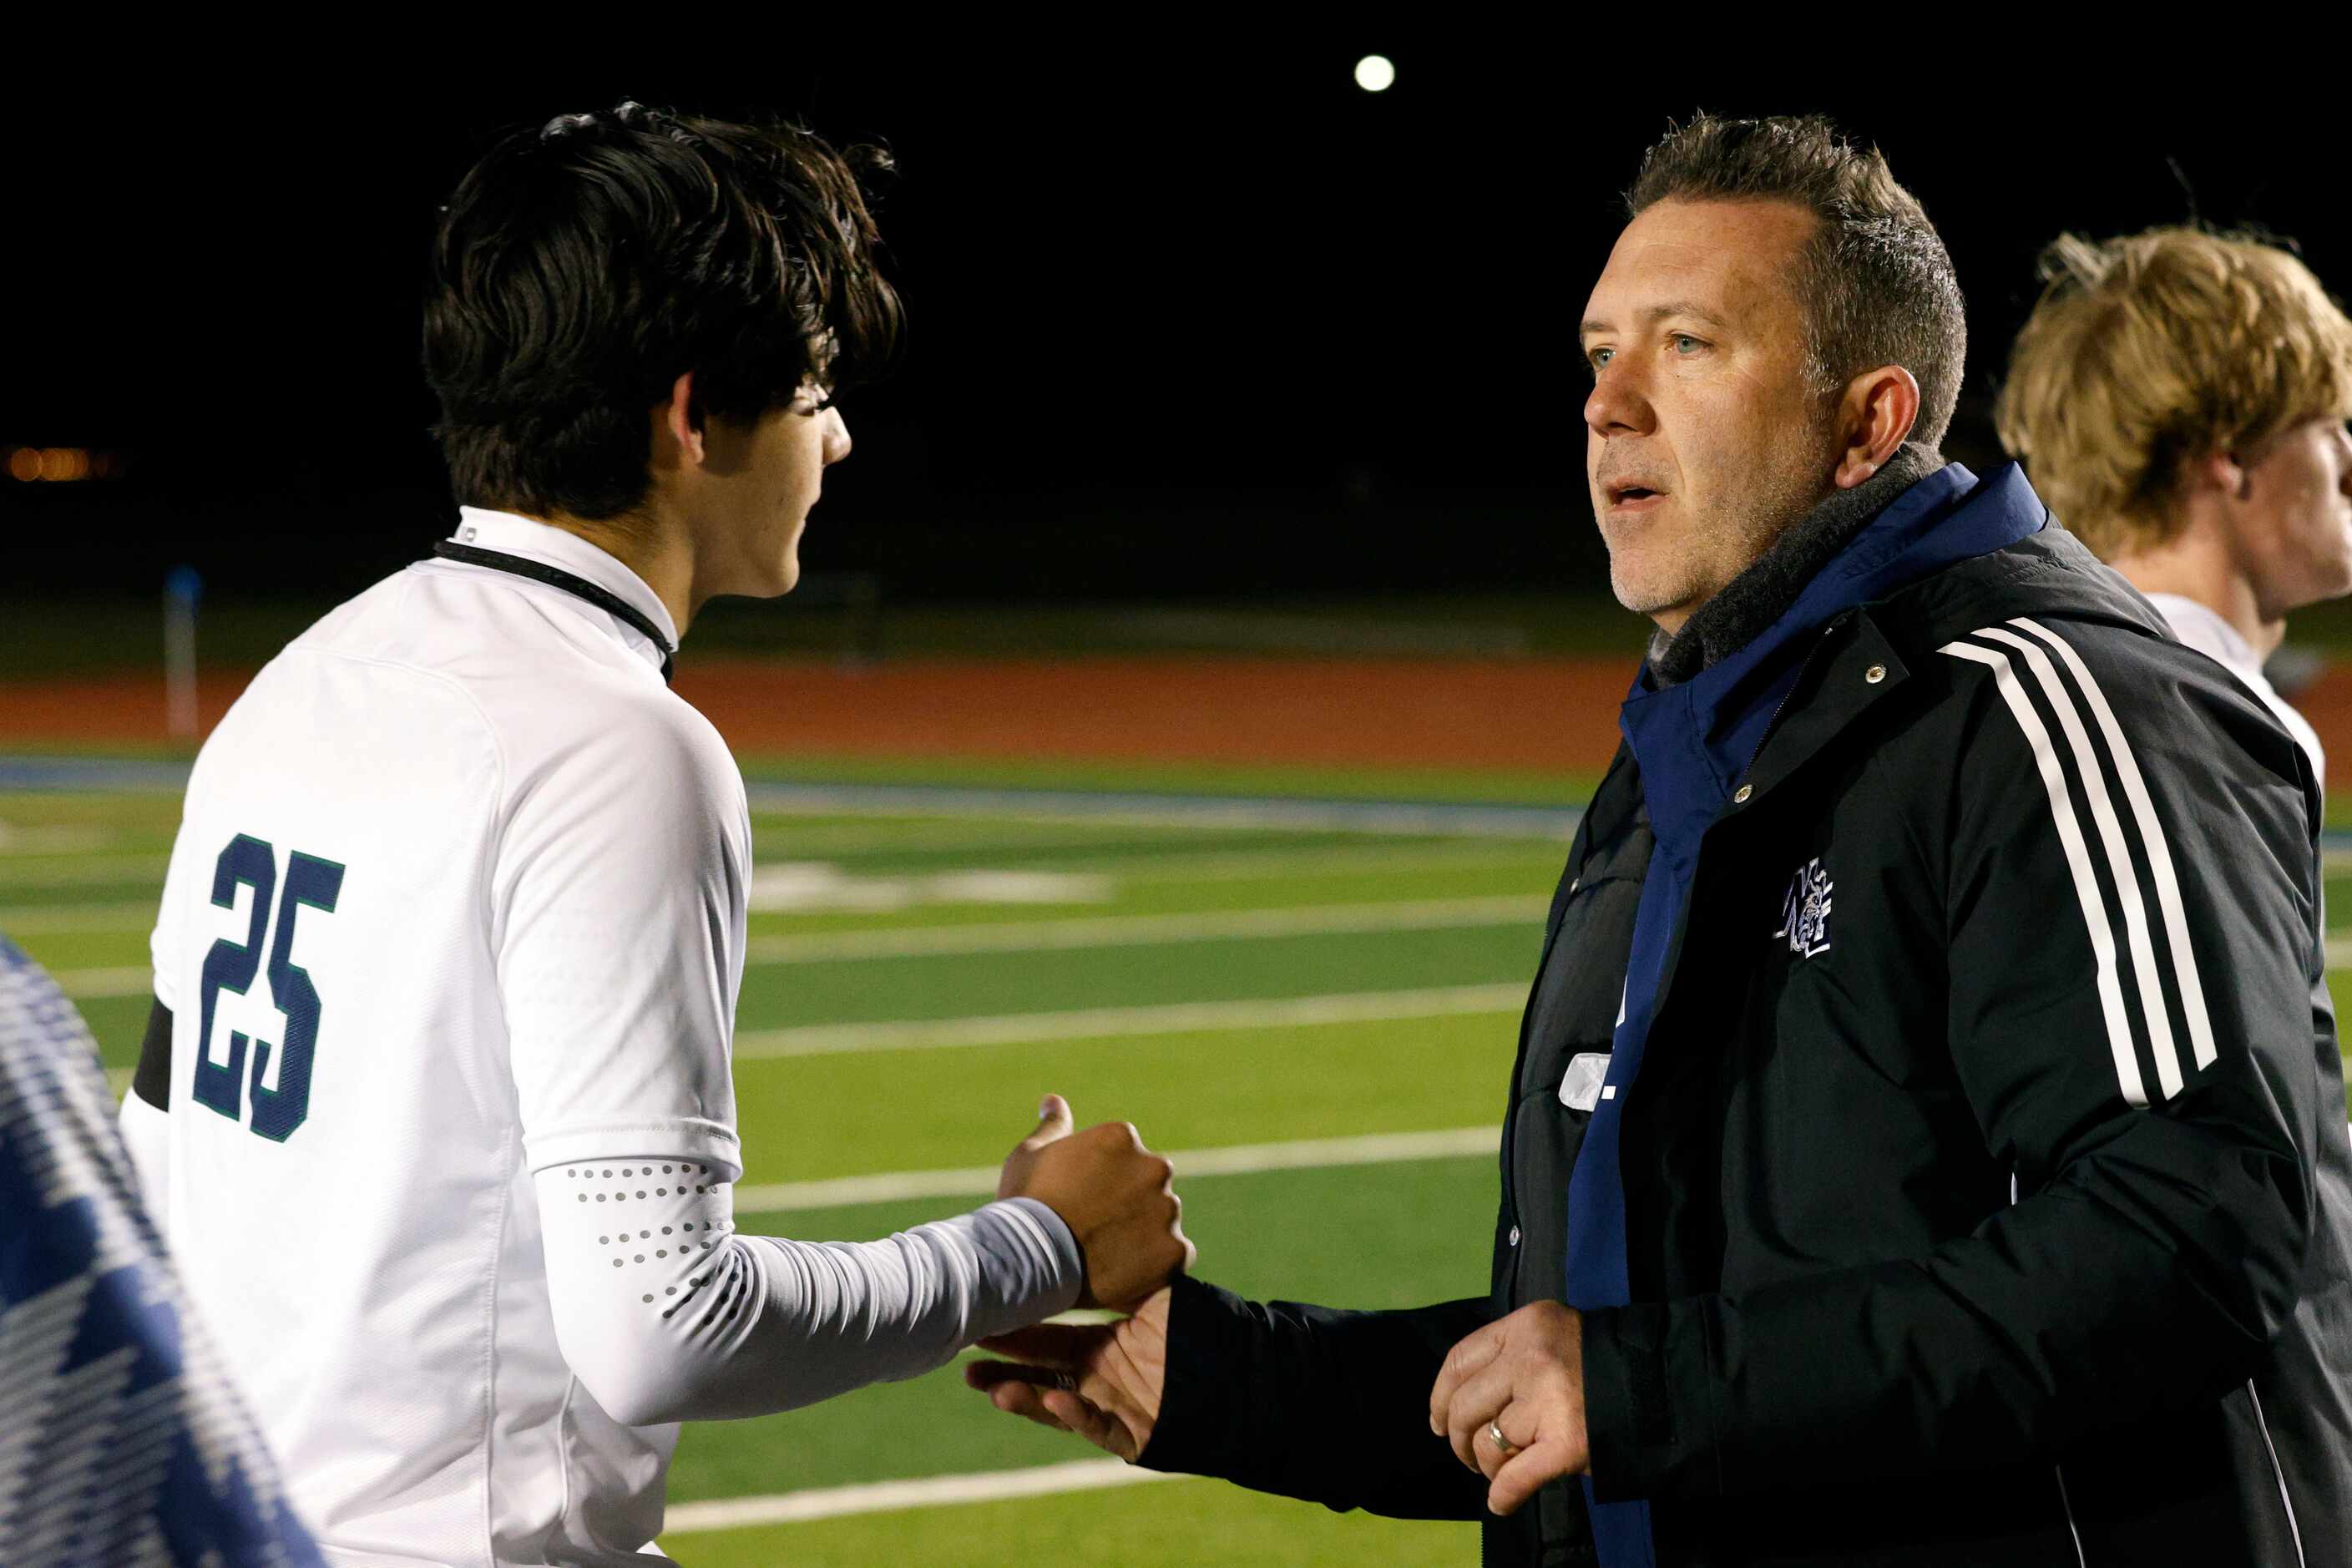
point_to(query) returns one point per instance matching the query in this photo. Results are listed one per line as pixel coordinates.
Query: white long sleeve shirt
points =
(456, 914)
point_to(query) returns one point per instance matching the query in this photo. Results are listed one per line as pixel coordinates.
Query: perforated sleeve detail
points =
(665, 1313)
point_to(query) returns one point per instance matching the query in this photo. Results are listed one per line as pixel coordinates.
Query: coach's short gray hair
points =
(1876, 283)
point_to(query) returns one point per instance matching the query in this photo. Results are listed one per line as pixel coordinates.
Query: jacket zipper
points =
(1681, 925)
(2278, 1470)
(1511, 1111)
(1675, 951)
(1657, 1010)
(2067, 1503)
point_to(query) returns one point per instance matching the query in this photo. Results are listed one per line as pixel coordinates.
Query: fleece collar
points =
(1755, 599)
(1695, 739)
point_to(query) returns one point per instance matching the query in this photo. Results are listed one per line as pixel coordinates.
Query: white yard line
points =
(1226, 866)
(1271, 863)
(1138, 931)
(881, 1497)
(2339, 951)
(1026, 936)
(1233, 1159)
(1104, 1023)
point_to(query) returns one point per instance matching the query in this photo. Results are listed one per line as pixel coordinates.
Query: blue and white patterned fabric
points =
(121, 1443)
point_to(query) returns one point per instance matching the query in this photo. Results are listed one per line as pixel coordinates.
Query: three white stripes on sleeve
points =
(2054, 771)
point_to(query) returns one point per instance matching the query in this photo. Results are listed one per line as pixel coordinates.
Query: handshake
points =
(1119, 1201)
(1508, 1400)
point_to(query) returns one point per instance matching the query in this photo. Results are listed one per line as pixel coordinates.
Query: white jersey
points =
(2201, 627)
(458, 894)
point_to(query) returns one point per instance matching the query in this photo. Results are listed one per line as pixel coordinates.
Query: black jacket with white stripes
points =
(2002, 1219)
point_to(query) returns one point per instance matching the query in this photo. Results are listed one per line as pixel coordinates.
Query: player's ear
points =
(2220, 471)
(682, 417)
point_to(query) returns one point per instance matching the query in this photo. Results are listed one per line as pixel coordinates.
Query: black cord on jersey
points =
(556, 577)
(153, 1080)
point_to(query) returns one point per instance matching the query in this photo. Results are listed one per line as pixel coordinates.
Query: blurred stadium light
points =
(64, 465)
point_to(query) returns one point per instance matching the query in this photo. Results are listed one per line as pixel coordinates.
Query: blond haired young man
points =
(2181, 398)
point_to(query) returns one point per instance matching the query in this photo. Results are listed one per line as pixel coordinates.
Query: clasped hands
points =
(1523, 1375)
(1101, 1380)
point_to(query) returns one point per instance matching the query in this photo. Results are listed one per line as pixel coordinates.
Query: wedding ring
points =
(1495, 1433)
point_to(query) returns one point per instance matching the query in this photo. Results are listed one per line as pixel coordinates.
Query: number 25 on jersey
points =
(231, 966)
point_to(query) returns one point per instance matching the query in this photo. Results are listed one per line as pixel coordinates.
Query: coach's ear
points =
(681, 418)
(1876, 415)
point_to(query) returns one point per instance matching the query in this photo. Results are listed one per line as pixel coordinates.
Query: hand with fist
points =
(1118, 1197)
(1510, 1398)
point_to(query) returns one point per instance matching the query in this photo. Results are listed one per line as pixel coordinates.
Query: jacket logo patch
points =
(1805, 912)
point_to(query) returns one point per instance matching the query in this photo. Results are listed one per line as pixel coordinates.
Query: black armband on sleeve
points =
(153, 1080)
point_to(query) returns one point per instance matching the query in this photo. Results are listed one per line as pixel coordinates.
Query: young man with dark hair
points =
(453, 1186)
(1926, 1142)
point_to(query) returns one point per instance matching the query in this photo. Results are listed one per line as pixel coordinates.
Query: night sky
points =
(1195, 316)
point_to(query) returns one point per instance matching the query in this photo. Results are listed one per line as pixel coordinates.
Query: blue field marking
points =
(1467, 819)
(117, 775)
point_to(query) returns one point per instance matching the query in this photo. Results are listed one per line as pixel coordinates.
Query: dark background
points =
(1194, 316)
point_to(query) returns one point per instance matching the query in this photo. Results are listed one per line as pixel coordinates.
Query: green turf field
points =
(917, 978)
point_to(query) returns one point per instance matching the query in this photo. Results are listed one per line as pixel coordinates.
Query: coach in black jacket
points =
(1928, 1142)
